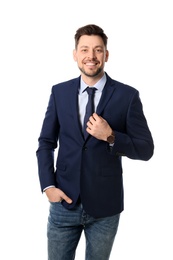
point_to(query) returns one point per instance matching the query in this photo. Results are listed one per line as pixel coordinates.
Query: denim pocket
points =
(56, 202)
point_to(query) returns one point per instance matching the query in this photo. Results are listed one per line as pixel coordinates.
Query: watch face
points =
(111, 139)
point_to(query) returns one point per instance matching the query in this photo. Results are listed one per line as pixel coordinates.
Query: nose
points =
(91, 54)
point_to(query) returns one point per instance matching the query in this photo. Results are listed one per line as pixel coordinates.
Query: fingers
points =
(95, 116)
(98, 127)
(66, 198)
(94, 120)
(57, 195)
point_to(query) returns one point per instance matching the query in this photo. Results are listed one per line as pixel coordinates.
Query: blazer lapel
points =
(73, 98)
(108, 90)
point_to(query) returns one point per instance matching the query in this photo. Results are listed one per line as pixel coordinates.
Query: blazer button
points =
(85, 148)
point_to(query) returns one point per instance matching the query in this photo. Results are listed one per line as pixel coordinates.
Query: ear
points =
(106, 56)
(74, 55)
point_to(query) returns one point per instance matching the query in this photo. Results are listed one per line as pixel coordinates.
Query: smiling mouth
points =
(91, 63)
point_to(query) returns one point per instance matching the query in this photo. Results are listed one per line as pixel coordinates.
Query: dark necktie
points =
(89, 108)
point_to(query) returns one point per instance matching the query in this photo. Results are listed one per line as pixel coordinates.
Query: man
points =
(85, 190)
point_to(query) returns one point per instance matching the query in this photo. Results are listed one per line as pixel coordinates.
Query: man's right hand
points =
(57, 195)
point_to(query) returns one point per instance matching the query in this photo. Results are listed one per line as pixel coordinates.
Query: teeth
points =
(90, 64)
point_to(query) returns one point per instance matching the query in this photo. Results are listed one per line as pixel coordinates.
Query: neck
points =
(91, 81)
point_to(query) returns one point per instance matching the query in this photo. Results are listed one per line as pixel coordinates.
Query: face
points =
(91, 55)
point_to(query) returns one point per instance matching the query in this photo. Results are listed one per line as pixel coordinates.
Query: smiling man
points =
(95, 120)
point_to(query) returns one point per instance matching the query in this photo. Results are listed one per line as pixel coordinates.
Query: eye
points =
(99, 50)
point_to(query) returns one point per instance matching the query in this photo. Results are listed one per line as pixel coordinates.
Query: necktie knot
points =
(90, 90)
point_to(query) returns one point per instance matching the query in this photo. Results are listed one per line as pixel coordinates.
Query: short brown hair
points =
(90, 29)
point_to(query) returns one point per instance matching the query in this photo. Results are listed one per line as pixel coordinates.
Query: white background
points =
(36, 44)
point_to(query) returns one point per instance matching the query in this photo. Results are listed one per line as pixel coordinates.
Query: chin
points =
(90, 73)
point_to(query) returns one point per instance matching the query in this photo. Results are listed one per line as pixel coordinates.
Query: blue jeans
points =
(65, 228)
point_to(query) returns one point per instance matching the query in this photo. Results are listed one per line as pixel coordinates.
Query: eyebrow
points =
(85, 46)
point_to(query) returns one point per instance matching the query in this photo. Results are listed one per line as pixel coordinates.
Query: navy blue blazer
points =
(90, 168)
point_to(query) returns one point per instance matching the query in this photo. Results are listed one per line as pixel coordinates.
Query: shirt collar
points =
(99, 85)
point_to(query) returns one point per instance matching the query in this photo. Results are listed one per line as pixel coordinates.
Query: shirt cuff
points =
(51, 186)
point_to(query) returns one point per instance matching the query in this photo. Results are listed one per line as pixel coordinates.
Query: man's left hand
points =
(98, 127)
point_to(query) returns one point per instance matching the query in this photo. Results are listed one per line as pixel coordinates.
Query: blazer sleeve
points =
(136, 142)
(47, 144)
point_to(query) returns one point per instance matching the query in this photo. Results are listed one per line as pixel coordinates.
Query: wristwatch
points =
(111, 138)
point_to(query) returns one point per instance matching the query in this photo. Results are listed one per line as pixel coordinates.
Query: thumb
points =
(66, 198)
